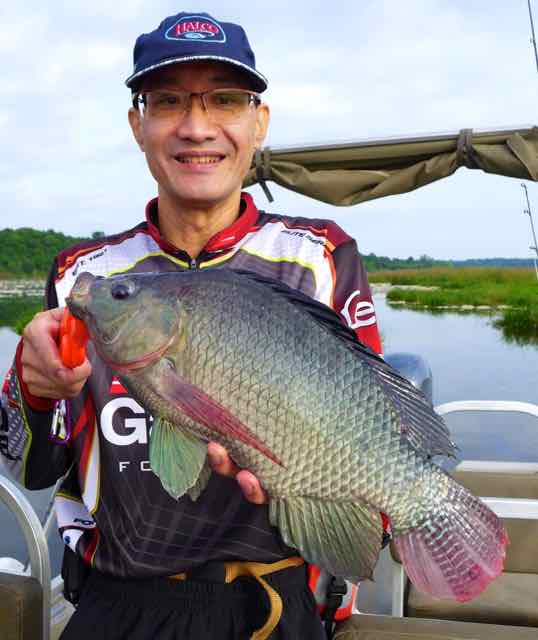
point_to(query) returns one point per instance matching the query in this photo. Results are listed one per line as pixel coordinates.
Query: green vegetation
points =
(513, 288)
(16, 312)
(520, 325)
(28, 253)
(375, 263)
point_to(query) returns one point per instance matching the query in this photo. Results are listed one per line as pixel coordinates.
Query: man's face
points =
(197, 162)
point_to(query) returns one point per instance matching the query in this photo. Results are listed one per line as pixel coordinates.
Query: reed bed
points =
(514, 292)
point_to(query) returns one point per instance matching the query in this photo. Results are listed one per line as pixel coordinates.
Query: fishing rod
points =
(529, 213)
(533, 37)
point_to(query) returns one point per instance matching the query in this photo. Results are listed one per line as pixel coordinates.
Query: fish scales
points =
(334, 435)
(317, 410)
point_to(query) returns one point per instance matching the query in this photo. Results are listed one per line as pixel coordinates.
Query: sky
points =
(338, 71)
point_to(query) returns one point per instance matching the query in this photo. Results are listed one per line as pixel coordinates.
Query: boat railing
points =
(36, 542)
(513, 508)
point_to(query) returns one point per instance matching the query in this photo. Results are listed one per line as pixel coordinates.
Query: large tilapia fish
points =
(334, 434)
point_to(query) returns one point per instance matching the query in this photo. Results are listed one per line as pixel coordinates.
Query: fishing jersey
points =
(111, 509)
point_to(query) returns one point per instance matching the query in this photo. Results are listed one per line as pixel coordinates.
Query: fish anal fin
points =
(342, 537)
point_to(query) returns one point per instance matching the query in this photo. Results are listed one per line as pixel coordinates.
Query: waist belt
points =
(227, 572)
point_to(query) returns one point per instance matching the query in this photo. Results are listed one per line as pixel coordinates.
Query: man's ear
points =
(262, 124)
(136, 126)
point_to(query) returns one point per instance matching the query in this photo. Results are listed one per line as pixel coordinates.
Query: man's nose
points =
(196, 123)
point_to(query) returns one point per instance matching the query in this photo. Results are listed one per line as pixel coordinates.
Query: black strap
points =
(336, 591)
(75, 573)
(262, 160)
(465, 154)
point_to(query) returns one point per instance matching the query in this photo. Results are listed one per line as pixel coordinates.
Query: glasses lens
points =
(222, 105)
(227, 105)
(165, 103)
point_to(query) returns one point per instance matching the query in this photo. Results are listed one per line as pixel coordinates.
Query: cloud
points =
(371, 69)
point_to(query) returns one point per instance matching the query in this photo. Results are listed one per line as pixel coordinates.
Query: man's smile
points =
(189, 157)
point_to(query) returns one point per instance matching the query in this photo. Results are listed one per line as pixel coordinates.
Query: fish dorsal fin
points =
(420, 425)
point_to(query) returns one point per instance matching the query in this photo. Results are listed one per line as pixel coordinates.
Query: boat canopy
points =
(352, 172)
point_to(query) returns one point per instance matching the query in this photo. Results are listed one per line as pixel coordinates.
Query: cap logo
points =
(200, 28)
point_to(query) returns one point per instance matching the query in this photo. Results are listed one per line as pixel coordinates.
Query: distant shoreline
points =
(19, 288)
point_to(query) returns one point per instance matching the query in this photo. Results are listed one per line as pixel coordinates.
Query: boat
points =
(32, 606)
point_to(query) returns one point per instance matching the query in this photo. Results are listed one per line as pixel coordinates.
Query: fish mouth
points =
(136, 363)
(111, 336)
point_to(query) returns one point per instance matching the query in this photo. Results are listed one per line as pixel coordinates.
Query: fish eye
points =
(121, 290)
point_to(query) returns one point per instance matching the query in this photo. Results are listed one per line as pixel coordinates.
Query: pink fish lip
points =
(137, 363)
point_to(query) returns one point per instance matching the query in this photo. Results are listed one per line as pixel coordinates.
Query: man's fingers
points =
(62, 384)
(42, 369)
(40, 348)
(251, 487)
(220, 461)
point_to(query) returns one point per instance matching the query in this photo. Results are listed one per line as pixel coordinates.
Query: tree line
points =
(28, 253)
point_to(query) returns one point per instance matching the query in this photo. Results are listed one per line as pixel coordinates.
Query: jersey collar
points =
(223, 240)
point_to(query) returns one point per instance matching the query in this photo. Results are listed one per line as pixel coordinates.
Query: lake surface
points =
(470, 360)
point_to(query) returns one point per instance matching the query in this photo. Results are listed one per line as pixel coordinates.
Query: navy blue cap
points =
(188, 37)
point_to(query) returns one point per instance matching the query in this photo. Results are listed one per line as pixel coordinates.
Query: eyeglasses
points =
(223, 106)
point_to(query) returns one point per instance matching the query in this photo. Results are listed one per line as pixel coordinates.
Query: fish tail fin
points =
(458, 551)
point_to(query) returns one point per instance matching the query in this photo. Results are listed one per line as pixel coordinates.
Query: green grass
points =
(514, 288)
(520, 325)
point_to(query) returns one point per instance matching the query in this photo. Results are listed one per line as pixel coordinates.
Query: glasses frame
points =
(140, 102)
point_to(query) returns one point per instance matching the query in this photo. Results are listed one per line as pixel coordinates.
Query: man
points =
(161, 568)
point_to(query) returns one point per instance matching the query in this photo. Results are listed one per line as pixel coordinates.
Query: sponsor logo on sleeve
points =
(358, 313)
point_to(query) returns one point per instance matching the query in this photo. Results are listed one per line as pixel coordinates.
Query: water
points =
(469, 359)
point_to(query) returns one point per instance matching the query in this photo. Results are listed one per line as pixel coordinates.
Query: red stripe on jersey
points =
(330, 261)
(89, 553)
(229, 237)
(86, 417)
(85, 454)
(370, 336)
(116, 386)
(7, 380)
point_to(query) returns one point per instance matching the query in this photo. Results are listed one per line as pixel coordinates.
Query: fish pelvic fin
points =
(201, 483)
(200, 407)
(178, 459)
(457, 552)
(342, 537)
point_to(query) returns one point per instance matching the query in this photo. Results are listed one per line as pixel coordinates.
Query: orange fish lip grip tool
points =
(72, 340)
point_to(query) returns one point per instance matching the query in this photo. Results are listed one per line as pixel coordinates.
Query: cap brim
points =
(259, 82)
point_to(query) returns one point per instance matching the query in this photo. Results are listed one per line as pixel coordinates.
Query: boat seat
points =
(377, 627)
(512, 598)
(21, 607)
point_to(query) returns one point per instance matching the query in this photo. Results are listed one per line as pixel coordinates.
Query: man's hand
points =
(42, 370)
(220, 461)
